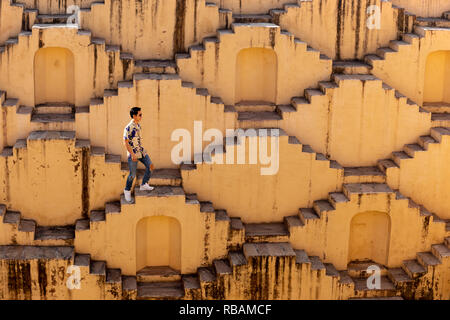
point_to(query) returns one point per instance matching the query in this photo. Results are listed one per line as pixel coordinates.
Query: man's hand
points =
(134, 157)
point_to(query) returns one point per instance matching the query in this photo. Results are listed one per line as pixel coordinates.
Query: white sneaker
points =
(146, 187)
(127, 195)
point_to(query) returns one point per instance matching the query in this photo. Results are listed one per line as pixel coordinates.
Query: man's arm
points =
(127, 145)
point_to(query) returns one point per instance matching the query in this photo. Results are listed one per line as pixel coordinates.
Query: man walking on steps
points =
(135, 152)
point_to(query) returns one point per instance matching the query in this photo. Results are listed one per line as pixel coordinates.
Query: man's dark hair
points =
(134, 111)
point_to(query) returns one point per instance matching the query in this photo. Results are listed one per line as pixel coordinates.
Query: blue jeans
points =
(133, 167)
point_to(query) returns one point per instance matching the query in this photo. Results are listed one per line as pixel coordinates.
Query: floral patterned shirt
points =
(132, 132)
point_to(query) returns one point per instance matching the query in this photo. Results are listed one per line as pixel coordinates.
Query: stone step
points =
(54, 108)
(255, 106)
(159, 177)
(266, 232)
(386, 164)
(191, 199)
(331, 271)
(52, 18)
(351, 67)
(345, 279)
(191, 282)
(160, 191)
(301, 257)
(398, 276)
(322, 207)
(316, 263)
(222, 267)
(282, 249)
(398, 156)
(362, 289)
(426, 141)
(447, 242)
(53, 117)
(252, 18)
(440, 119)
(113, 275)
(359, 269)
(433, 22)
(97, 268)
(82, 260)
(411, 149)
(413, 268)
(158, 274)
(308, 214)
(441, 251)
(11, 217)
(293, 222)
(156, 66)
(236, 258)
(437, 107)
(364, 175)
(236, 224)
(36, 252)
(259, 116)
(206, 274)
(53, 122)
(27, 225)
(66, 234)
(427, 260)
(334, 198)
(365, 188)
(439, 132)
(160, 290)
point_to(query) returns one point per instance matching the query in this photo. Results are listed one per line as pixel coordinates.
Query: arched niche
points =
(256, 75)
(369, 237)
(54, 76)
(158, 243)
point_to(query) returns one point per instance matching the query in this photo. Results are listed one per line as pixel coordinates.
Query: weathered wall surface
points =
(424, 8)
(346, 29)
(38, 169)
(11, 21)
